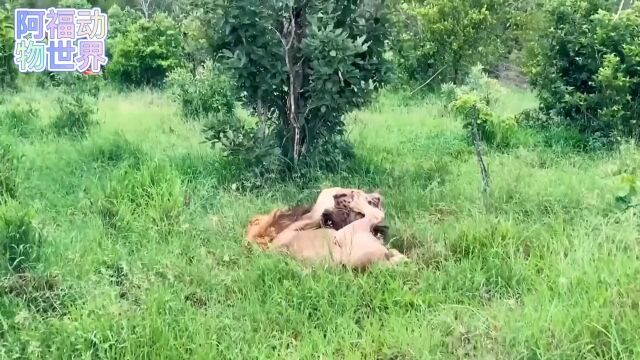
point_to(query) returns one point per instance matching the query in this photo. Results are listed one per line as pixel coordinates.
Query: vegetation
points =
(139, 227)
(125, 240)
(304, 64)
(8, 72)
(8, 176)
(207, 92)
(146, 52)
(20, 119)
(121, 20)
(76, 104)
(447, 34)
(19, 239)
(586, 69)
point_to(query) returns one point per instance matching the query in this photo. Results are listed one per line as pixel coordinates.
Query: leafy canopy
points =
(328, 65)
(586, 68)
(146, 52)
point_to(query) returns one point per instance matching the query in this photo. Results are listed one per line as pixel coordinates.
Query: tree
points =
(585, 67)
(146, 52)
(120, 20)
(453, 35)
(302, 63)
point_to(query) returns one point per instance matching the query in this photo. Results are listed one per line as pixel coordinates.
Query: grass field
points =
(142, 253)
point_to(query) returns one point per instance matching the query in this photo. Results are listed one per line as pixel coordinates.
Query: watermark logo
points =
(60, 40)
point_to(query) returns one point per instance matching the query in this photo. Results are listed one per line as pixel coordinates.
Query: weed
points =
(114, 150)
(152, 192)
(19, 238)
(44, 294)
(75, 116)
(21, 119)
(8, 174)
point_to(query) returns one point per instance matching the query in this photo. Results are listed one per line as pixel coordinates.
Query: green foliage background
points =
(146, 51)
(586, 68)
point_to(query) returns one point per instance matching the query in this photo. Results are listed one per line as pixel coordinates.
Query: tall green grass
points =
(143, 250)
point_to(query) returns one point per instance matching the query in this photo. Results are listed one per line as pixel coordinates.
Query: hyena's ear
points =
(376, 199)
(340, 196)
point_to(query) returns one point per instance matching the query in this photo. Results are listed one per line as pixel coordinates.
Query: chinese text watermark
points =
(60, 39)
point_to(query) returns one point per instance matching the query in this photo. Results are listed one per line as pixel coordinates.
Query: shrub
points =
(8, 175)
(535, 118)
(75, 116)
(473, 101)
(77, 83)
(452, 35)
(19, 238)
(20, 119)
(469, 106)
(251, 149)
(121, 20)
(195, 39)
(208, 92)
(585, 68)
(253, 152)
(146, 52)
(77, 103)
(75, 4)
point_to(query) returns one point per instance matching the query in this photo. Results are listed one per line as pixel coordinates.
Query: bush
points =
(333, 155)
(452, 35)
(473, 101)
(146, 52)
(19, 238)
(75, 116)
(21, 119)
(208, 92)
(585, 68)
(469, 106)
(195, 39)
(72, 82)
(252, 150)
(74, 4)
(8, 175)
(121, 20)
(77, 103)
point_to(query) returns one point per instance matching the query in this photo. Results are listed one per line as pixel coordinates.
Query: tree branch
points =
(619, 9)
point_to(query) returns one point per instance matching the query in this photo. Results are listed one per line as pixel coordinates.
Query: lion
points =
(354, 245)
(262, 229)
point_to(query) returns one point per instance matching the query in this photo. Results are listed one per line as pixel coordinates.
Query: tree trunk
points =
(292, 38)
(475, 135)
(144, 6)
